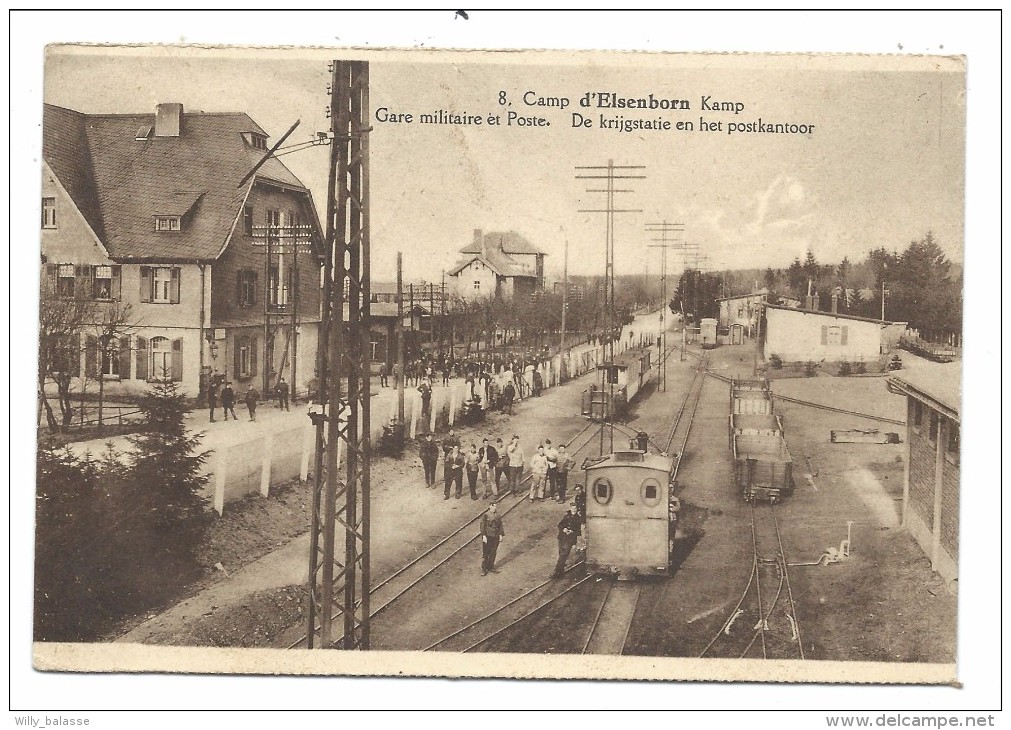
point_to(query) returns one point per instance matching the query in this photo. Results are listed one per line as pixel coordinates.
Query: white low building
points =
(802, 335)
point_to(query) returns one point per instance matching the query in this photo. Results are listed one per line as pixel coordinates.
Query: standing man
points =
(384, 376)
(552, 455)
(515, 456)
(565, 463)
(282, 391)
(491, 534)
(501, 464)
(228, 401)
(252, 398)
(568, 531)
(508, 394)
(426, 401)
(212, 397)
(539, 474)
(488, 460)
(429, 453)
(473, 464)
(450, 441)
(453, 472)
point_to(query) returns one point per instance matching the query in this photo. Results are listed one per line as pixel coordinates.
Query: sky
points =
(884, 164)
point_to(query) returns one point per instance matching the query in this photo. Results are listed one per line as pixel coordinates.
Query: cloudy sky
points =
(884, 164)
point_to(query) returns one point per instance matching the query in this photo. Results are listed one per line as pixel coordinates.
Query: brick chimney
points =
(168, 120)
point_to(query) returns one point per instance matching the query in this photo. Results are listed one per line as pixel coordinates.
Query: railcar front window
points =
(651, 493)
(602, 491)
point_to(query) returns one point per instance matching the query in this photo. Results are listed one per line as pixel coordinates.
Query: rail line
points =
(775, 632)
(609, 628)
(391, 584)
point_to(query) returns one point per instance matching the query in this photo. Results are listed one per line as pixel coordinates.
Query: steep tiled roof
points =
(511, 242)
(120, 183)
(498, 262)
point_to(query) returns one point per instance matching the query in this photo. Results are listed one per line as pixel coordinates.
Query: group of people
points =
(225, 395)
(486, 466)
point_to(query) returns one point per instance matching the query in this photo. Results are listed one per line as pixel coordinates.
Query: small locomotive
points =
(631, 513)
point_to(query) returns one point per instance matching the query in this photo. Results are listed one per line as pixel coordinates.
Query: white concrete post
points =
(268, 449)
(452, 404)
(415, 413)
(431, 416)
(220, 474)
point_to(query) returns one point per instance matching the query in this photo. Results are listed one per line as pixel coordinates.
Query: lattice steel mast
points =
(610, 210)
(339, 582)
(664, 228)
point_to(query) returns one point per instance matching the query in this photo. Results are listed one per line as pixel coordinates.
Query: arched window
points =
(161, 359)
(603, 491)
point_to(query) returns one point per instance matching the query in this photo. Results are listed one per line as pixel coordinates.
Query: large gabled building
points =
(222, 278)
(498, 265)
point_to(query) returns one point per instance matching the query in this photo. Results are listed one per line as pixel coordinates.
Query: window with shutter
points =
(237, 355)
(124, 358)
(177, 360)
(844, 337)
(175, 286)
(143, 371)
(161, 358)
(91, 356)
(253, 356)
(146, 284)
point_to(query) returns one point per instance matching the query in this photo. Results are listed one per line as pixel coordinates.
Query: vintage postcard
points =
(528, 364)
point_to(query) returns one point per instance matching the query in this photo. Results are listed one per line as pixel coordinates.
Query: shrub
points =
(861, 368)
(776, 361)
(845, 369)
(810, 369)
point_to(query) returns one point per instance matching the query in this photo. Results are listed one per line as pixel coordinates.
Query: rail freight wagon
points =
(750, 396)
(707, 332)
(763, 469)
(623, 379)
(754, 424)
(631, 513)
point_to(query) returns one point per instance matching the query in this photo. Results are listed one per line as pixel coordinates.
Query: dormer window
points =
(168, 223)
(254, 140)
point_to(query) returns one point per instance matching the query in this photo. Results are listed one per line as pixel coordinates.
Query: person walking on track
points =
(228, 401)
(539, 474)
(568, 532)
(491, 535)
(429, 452)
(515, 457)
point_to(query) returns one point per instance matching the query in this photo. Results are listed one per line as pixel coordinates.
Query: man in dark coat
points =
(212, 398)
(508, 393)
(450, 441)
(453, 472)
(252, 398)
(426, 401)
(228, 401)
(491, 535)
(429, 452)
(568, 531)
(282, 390)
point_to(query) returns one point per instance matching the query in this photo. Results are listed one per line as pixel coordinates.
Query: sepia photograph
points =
(529, 364)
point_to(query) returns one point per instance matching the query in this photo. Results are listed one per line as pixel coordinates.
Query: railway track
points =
(613, 602)
(393, 587)
(763, 623)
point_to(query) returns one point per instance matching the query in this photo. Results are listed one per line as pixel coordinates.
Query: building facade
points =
(144, 213)
(742, 309)
(498, 265)
(930, 495)
(802, 335)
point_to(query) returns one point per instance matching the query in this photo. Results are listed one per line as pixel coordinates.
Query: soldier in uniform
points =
(491, 534)
(429, 452)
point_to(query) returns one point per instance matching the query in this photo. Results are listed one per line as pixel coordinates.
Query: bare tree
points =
(62, 321)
